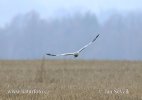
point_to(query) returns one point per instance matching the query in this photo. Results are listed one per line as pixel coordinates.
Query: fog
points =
(29, 36)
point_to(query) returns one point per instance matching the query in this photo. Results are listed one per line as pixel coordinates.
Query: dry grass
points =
(71, 80)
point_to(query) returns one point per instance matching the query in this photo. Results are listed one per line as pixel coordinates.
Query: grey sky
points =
(50, 8)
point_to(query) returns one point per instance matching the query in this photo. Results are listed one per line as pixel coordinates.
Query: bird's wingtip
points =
(96, 37)
(50, 54)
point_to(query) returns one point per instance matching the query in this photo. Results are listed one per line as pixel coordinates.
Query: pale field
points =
(70, 80)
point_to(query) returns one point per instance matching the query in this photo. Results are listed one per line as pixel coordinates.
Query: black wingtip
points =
(50, 54)
(96, 37)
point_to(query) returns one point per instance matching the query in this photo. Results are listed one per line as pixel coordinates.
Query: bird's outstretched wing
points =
(64, 54)
(88, 43)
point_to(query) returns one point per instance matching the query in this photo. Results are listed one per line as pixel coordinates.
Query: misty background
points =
(29, 35)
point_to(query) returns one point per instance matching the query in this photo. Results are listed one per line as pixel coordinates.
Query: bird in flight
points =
(75, 54)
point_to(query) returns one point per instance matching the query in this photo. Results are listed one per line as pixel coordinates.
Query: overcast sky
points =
(50, 8)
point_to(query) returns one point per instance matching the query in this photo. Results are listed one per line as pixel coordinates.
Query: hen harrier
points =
(75, 54)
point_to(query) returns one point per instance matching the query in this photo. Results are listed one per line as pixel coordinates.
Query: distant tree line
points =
(29, 36)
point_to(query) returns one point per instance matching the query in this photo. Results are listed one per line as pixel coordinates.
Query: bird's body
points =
(75, 54)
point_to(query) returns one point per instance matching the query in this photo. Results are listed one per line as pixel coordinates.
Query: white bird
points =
(75, 54)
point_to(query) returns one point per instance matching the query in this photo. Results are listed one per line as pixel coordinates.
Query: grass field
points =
(70, 80)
